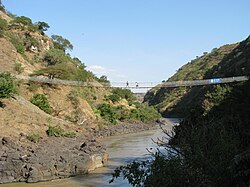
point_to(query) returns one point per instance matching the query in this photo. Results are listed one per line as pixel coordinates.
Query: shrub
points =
(17, 42)
(42, 102)
(114, 98)
(216, 96)
(18, 67)
(124, 93)
(34, 137)
(119, 93)
(7, 85)
(56, 131)
(3, 26)
(20, 48)
(108, 113)
(146, 113)
(104, 80)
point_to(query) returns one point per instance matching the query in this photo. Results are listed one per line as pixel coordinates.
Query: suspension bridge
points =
(135, 85)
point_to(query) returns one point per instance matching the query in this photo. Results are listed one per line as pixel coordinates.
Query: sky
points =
(139, 40)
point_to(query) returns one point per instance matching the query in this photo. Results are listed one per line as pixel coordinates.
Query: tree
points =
(56, 56)
(104, 80)
(42, 26)
(54, 71)
(41, 102)
(64, 71)
(78, 62)
(61, 43)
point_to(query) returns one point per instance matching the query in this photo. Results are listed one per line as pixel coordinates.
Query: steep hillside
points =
(226, 61)
(23, 51)
(26, 50)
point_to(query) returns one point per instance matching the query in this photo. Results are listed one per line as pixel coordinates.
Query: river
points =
(122, 149)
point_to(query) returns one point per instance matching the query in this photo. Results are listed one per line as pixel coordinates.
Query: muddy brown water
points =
(122, 149)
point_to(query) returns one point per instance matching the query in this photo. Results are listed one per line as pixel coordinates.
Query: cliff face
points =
(226, 61)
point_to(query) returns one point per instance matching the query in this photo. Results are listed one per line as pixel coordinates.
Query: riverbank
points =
(58, 157)
(125, 128)
(122, 149)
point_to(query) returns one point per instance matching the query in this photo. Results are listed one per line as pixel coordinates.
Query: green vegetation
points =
(29, 41)
(76, 115)
(23, 44)
(65, 71)
(107, 112)
(216, 96)
(34, 137)
(61, 43)
(104, 80)
(140, 112)
(56, 56)
(18, 67)
(114, 98)
(226, 61)
(62, 66)
(119, 93)
(3, 26)
(56, 131)
(7, 85)
(23, 23)
(17, 42)
(42, 26)
(41, 102)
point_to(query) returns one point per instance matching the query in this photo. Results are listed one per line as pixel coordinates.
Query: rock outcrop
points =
(51, 158)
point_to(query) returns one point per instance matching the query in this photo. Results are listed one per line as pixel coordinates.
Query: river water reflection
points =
(122, 149)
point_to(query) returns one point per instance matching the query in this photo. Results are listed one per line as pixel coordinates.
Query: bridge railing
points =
(204, 82)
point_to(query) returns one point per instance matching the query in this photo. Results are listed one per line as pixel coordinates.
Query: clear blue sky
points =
(139, 40)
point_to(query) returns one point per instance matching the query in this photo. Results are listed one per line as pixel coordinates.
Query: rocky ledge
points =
(51, 158)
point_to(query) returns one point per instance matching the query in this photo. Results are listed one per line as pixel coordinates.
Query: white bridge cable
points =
(133, 85)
